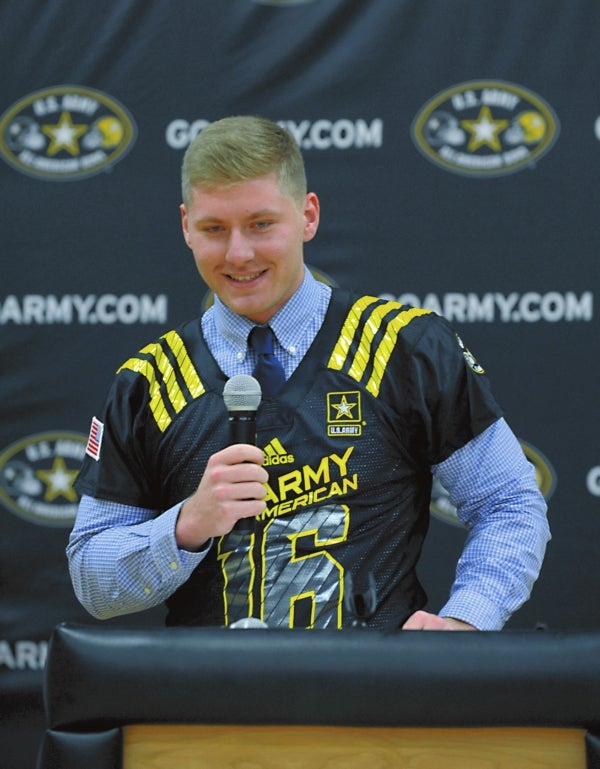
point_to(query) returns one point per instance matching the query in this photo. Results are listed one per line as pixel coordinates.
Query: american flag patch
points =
(95, 439)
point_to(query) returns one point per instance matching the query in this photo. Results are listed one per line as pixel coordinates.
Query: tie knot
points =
(261, 340)
(268, 370)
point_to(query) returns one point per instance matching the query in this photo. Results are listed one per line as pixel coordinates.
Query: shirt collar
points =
(287, 323)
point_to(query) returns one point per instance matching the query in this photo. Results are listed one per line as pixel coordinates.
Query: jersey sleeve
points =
(449, 391)
(116, 469)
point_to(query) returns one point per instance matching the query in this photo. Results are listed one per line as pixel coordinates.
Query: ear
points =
(184, 225)
(312, 211)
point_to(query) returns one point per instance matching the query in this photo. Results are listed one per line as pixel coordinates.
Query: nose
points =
(238, 247)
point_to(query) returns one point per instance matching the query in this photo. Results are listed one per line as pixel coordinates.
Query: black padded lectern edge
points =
(98, 678)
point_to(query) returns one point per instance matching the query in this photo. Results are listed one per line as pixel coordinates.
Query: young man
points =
(378, 397)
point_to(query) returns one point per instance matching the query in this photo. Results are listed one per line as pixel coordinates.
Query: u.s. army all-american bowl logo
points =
(442, 508)
(485, 128)
(65, 133)
(37, 475)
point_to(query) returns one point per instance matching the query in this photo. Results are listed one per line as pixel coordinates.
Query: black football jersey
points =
(384, 392)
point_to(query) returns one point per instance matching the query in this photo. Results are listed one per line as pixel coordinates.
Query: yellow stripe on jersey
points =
(371, 321)
(188, 371)
(371, 327)
(157, 406)
(168, 377)
(340, 351)
(163, 363)
(383, 352)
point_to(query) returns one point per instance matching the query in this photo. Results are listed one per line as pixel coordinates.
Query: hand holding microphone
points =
(232, 487)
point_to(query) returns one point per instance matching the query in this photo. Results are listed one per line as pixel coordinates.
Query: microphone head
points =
(242, 393)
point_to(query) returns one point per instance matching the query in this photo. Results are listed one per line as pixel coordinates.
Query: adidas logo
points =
(275, 454)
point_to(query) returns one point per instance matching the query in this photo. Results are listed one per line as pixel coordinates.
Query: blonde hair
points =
(241, 148)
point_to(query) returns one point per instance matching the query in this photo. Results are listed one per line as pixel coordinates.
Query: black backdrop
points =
(454, 145)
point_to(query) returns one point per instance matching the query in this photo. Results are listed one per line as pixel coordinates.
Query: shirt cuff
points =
(473, 608)
(168, 555)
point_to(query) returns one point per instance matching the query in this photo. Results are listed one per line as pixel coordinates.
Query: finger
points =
(249, 490)
(218, 473)
(238, 453)
(422, 620)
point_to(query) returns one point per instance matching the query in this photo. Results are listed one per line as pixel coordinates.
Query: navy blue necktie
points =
(268, 370)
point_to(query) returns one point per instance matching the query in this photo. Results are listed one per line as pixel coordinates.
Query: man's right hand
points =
(232, 487)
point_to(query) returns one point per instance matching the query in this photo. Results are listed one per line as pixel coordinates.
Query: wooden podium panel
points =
(325, 747)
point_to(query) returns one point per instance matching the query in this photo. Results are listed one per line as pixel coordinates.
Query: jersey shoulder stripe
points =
(368, 337)
(173, 380)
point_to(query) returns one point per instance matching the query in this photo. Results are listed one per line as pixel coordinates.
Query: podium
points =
(294, 699)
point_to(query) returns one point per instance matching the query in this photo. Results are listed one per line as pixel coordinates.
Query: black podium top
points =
(100, 677)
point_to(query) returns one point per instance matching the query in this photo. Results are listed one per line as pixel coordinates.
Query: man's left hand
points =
(422, 620)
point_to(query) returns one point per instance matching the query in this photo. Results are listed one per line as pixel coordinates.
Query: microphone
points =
(248, 622)
(242, 396)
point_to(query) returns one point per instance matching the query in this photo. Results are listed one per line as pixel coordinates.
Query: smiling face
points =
(247, 239)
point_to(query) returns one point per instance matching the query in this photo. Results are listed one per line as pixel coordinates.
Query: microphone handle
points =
(242, 429)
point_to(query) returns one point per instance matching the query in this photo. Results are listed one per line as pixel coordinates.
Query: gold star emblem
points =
(64, 135)
(484, 130)
(59, 481)
(343, 408)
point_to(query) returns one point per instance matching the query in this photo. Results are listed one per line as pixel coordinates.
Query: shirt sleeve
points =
(495, 492)
(124, 559)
